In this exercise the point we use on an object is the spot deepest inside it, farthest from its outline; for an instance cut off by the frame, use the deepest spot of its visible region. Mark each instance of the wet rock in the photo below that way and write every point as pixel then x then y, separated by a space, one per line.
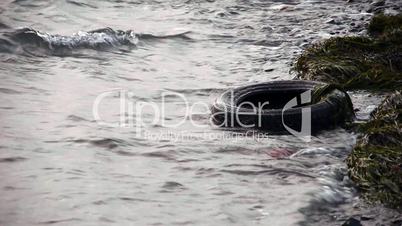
pixel 352 222
pixel 378 3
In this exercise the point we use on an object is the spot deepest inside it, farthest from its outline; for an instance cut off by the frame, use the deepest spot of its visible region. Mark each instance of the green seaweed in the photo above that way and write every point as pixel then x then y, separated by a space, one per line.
pixel 375 163
pixel 353 62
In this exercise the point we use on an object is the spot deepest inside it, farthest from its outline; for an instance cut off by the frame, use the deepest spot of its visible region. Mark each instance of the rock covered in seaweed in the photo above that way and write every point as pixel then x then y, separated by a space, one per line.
pixel 358 62
pixel 375 163
pixel 371 63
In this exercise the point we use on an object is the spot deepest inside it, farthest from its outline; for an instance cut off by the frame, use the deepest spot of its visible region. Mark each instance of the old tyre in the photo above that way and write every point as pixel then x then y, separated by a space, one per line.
pixel 283 107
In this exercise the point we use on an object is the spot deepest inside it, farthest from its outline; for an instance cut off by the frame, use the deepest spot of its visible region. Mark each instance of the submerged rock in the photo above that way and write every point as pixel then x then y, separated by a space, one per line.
pixel 354 62
pixel 375 163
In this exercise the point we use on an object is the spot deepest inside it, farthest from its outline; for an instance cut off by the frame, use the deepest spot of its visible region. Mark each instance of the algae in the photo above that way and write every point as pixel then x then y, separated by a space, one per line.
pixel 353 62
pixel 373 63
pixel 375 163
pixel 321 92
pixel 382 24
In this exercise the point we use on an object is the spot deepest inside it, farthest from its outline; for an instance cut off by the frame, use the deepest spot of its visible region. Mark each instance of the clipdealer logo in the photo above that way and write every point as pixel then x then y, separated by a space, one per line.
pixel 136 114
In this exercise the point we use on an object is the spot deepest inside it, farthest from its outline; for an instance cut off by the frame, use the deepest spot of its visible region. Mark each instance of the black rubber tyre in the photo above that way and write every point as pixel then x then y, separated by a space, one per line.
pixel 234 107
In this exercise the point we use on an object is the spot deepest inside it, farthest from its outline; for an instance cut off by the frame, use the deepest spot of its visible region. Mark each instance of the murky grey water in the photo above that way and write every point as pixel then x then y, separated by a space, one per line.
pixel 59 166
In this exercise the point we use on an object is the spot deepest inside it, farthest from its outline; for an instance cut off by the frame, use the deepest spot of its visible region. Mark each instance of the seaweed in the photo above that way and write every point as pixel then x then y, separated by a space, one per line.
pixel 352 62
pixel 320 92
pixel 375 163
pixel 372 63
pixel 382 24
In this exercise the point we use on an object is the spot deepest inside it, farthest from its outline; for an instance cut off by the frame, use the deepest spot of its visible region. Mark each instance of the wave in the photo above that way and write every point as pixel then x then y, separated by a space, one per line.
pixel 28 40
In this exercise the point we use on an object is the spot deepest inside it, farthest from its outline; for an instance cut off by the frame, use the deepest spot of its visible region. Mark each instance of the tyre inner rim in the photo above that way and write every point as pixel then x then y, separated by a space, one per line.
pixel 269 99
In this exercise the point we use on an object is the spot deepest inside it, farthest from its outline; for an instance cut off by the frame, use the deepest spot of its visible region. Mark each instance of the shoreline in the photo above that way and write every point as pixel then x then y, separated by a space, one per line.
pixel 317 63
